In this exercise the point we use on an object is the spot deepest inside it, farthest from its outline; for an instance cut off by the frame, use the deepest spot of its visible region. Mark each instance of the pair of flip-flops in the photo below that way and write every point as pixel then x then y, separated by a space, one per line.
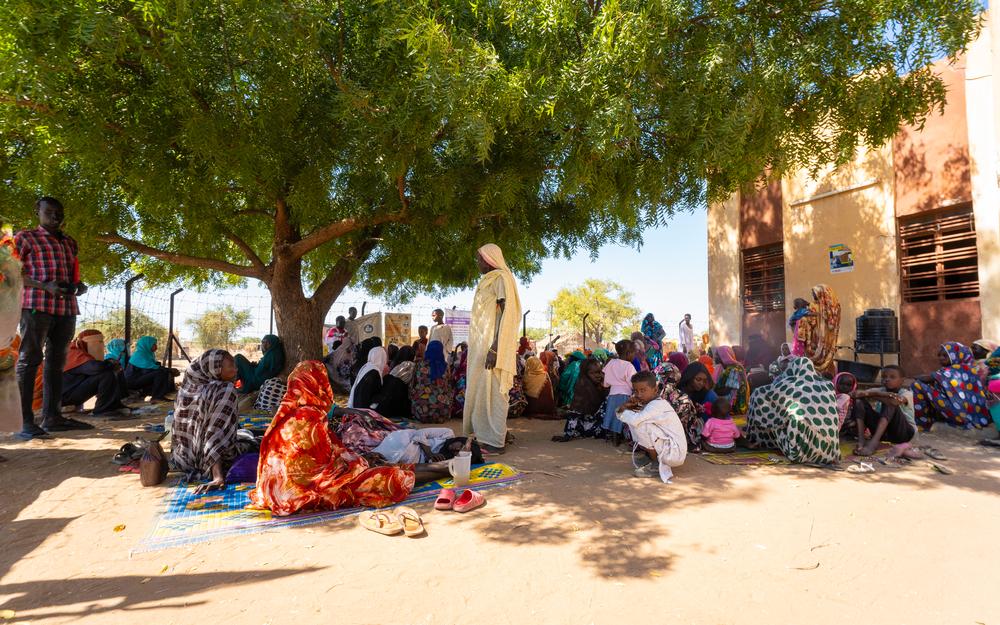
pixel 468 500
pixel 391 522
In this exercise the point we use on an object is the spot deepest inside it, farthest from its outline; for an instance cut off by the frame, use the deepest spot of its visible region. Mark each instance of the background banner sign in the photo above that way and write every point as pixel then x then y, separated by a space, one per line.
pixel 366 327
pixel 459 322
pixel 397 329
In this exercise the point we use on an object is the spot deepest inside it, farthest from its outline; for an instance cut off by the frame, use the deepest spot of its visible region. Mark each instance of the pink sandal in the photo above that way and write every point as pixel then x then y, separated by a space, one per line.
pixel 469 500
pixel 445 499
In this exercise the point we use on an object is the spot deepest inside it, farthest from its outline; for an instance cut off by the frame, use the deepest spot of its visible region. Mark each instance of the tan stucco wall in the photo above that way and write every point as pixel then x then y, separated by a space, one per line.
pixel 724 306
pixel 863 219
pixel 983 60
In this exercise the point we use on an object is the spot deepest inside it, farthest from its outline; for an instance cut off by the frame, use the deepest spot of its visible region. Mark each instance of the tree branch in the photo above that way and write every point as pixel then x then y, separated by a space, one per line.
pixel 181 259
pixel 248 251
pixel 338 229
pixel 343 271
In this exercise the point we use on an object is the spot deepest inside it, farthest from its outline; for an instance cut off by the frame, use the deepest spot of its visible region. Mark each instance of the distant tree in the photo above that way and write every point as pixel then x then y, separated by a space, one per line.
pixel 538 334
pixel 218 327
pixel 608 304
pixel 112 326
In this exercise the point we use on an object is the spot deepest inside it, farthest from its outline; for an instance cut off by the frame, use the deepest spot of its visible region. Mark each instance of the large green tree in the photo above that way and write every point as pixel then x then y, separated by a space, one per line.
pixel 608 307
pixel 218 327
pixel 311 143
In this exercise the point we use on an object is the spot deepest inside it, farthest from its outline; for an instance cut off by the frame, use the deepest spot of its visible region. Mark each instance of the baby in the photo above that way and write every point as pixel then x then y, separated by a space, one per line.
pixel 655 428
pixel 720 433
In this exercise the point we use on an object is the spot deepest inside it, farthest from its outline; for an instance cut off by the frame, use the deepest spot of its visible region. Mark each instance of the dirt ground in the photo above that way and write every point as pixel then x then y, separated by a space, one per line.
pixel 722 545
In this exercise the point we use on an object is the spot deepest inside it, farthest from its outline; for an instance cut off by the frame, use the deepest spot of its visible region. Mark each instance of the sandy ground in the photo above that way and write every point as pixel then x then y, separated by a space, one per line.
pixel 721 545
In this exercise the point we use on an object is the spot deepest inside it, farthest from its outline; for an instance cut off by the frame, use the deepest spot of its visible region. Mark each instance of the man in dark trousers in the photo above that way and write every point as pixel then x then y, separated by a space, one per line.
pixel 48 316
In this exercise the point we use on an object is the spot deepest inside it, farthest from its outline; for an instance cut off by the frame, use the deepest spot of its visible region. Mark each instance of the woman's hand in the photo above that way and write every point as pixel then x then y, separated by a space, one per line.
pixel 216 484
pixel 491 358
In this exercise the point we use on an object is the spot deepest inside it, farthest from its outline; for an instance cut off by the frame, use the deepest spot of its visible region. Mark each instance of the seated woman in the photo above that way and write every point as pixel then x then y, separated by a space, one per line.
pixel 538 390
pixel 570 374
pixel 361 355
pixel 586 412
pixel 981 351
pixel 338 365
pixel 953 394
pixel 691 418
pixel 458 381
pixel 732 380
pixel 549 360
pixel 203 434
pixel 252 375
pixel 304 466
pixel 116 352
pixel 517 402
pixel 797 415
pixel 431 393
pixel 87 374
pixel 394 398
pixel 368 384
pixel 145 375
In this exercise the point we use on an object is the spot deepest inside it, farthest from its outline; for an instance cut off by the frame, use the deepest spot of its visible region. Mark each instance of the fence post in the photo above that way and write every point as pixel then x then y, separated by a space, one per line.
pixel 524 323
pixel 170 332
pixel 128 311
pixel 363 306
pixel 585 331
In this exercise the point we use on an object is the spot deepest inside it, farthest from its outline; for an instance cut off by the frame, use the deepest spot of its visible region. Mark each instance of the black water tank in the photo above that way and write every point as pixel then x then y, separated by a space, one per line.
pixel 877 331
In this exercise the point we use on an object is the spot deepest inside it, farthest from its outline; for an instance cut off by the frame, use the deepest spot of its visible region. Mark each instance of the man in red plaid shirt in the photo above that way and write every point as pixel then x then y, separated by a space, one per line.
pixel 48 316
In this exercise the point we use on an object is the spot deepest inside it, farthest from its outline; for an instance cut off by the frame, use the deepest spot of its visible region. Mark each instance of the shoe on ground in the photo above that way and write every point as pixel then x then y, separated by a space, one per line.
pixel 650 470
pixel 31 432
pixel 65 425
pixel 120 414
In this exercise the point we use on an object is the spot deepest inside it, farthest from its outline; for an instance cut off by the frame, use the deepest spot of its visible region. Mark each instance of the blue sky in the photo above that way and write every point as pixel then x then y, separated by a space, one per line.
pixel 668 277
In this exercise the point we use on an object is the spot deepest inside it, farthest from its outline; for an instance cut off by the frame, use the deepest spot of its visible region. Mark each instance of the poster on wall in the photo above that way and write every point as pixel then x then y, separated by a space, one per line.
pixel 841 259
pixel 367 326
pixel 397 329
pixel 459 321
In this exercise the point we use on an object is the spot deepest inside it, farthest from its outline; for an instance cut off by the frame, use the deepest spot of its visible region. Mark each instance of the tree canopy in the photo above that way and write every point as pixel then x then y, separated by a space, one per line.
pixel 608 306
pixel 112 326
pixel 218 327
pixel 312 143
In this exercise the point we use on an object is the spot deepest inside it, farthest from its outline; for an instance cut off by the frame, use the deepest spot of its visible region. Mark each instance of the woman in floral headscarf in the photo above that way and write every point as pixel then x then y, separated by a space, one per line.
pixel 818 330
pixel 953 394
pixel 732 380
pixel 303 466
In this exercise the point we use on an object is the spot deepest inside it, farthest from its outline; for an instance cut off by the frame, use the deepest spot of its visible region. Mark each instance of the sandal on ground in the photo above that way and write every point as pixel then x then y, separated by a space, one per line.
pixel 930 452
pixel 468 500
pixel 380 522
pixel 990 442
pixel 861 467
pixel 490 449
pixel 410 520
pixel 65 425
pixel 445 499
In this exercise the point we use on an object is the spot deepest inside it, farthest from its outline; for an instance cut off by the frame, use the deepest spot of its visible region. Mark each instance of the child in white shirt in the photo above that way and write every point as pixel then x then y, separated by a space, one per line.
pixel 655 428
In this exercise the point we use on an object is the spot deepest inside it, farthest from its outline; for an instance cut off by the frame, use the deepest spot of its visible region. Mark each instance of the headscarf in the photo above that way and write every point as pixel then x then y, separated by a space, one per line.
pixel 688 375
pixel 821 342
pixel 652 329
pixel 957 353
pixel 709 364
pixel 434 357
pixel 144 357
pixel 547 358
pixel 668 373
pixel 378 360
pixel 83 348
pixel 678 360
pixel 404 371
pixel 523 345
pixel 205 416
pixel 567 383
pixel 405 354
pixel 116 351
pixel 840 376
pixel 739 354
pixel 506 365
pixel 361 354
pixel 602 355
pixel 535 377
pixel 986 344
pixel 587 396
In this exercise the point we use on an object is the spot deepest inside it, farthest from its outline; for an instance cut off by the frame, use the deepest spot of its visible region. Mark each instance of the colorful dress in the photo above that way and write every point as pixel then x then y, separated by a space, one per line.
pixel 459 382
pixel 668 375
pixel 733 381
pixel 796 414
pixel 303 466
pixel 432 399
pixel 955 396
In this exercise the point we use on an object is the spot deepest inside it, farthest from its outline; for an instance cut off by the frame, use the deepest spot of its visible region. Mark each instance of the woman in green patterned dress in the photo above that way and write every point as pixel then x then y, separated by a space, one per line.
pixel 796 414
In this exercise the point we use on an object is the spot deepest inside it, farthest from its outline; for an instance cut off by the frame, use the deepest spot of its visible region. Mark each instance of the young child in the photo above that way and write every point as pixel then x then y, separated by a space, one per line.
pixel 891 418
pixel 845 384
pixel 618 379
pixel 802 310
pixel 719 434
pixel 655 428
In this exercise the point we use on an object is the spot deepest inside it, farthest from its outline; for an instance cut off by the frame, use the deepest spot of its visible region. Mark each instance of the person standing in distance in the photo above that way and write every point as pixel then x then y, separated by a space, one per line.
pixel 686 334
pixel 48 316
pixel 441 331
pixel 492 359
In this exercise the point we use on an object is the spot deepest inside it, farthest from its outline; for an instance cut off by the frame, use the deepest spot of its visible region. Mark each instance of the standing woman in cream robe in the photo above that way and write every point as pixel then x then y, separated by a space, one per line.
pixel 492 360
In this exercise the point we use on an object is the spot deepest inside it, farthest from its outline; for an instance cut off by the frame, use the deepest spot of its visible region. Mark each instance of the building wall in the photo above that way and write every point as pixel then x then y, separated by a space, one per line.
pixel 924 326
pixel 760 216
pixel 852 205
pixel 724 302
pixel 931 165
pixel 983 89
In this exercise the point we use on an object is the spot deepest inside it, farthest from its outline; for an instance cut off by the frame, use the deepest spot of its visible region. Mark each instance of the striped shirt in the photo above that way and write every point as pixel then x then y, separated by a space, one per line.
pixel 48 258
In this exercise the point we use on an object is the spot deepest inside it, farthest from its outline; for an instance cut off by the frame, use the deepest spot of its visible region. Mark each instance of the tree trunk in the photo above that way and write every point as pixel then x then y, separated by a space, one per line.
pixel 299 321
